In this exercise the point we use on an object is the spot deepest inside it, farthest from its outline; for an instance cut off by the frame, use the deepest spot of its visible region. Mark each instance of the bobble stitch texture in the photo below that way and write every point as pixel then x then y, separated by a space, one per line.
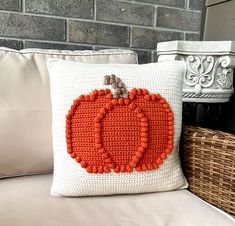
pixel 98 151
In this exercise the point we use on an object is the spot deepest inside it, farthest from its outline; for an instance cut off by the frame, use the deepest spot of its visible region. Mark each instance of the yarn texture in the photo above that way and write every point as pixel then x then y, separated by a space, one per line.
pixel 135 132
pixel 119 140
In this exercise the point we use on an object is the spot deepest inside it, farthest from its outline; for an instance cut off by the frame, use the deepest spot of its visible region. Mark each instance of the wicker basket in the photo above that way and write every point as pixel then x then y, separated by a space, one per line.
pixel 209 164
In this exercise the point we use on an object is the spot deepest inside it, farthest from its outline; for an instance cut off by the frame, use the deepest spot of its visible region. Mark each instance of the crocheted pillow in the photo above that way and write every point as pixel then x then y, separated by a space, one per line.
pixel 116 128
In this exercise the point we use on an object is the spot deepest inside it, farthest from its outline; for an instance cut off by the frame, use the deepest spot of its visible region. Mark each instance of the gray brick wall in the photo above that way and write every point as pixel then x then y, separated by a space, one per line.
pixel 98 24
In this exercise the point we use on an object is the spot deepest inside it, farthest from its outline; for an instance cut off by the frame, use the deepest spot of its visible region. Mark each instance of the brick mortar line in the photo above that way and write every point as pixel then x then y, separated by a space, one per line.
pixel 130 42
pixel 96 21
pixel 67 30
pixel 130 48
pixel 22 5
pixel 45 41
pixel 187 4
pixel 183 9
pixel 157 28
pixel 114 23
pixel 41 15
pixel 148 4
pixel 75 44
pixel 161 5
pixel 94 9
pixel 135 25
pixel 155 17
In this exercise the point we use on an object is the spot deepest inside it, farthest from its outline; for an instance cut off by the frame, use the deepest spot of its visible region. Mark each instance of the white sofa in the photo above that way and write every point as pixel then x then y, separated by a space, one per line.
pixel 26 159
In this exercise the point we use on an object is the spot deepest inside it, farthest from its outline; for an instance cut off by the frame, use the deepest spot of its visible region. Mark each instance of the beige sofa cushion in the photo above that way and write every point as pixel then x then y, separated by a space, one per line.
pixel 26 201
pixel 25 108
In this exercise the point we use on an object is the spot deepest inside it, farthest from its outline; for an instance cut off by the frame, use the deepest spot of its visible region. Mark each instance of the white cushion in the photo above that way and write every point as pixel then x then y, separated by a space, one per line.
pixel 69 80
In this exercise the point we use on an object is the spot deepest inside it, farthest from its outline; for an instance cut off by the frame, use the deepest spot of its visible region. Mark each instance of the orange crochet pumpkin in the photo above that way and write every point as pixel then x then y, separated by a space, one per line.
pixel 119 132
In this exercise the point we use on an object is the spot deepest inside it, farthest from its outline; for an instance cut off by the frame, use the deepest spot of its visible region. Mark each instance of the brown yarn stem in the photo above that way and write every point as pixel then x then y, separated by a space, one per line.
pixel 118 86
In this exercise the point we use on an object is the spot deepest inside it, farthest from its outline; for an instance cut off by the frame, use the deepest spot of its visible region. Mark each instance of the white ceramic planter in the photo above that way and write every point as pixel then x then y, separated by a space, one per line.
pixel 210 68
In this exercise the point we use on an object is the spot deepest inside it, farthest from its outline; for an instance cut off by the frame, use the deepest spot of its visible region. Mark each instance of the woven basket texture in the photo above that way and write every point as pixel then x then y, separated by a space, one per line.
pixel 209 164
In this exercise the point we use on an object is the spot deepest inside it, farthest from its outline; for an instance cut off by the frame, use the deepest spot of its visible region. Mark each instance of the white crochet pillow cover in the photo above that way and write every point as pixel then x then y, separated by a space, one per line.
pixel 117 140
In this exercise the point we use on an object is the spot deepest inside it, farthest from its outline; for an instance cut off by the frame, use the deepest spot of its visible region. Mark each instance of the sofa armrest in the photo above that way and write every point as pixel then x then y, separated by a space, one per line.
pixel 209 164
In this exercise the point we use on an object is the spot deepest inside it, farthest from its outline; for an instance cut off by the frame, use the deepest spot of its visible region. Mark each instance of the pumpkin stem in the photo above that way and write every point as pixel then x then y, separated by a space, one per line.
pixel 118 86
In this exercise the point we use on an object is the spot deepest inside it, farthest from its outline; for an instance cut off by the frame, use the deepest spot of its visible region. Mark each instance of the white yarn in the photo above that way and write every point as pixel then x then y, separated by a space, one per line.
pixel 68 81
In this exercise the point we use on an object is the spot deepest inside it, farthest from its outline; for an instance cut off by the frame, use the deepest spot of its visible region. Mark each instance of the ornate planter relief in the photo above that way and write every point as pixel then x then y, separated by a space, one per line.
pixel 208 72
pixel 225 76
pixel 199 73
pixel 209 75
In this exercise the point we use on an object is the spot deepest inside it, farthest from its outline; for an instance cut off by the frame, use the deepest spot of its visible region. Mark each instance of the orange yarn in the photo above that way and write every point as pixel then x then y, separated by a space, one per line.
pixel 122 134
